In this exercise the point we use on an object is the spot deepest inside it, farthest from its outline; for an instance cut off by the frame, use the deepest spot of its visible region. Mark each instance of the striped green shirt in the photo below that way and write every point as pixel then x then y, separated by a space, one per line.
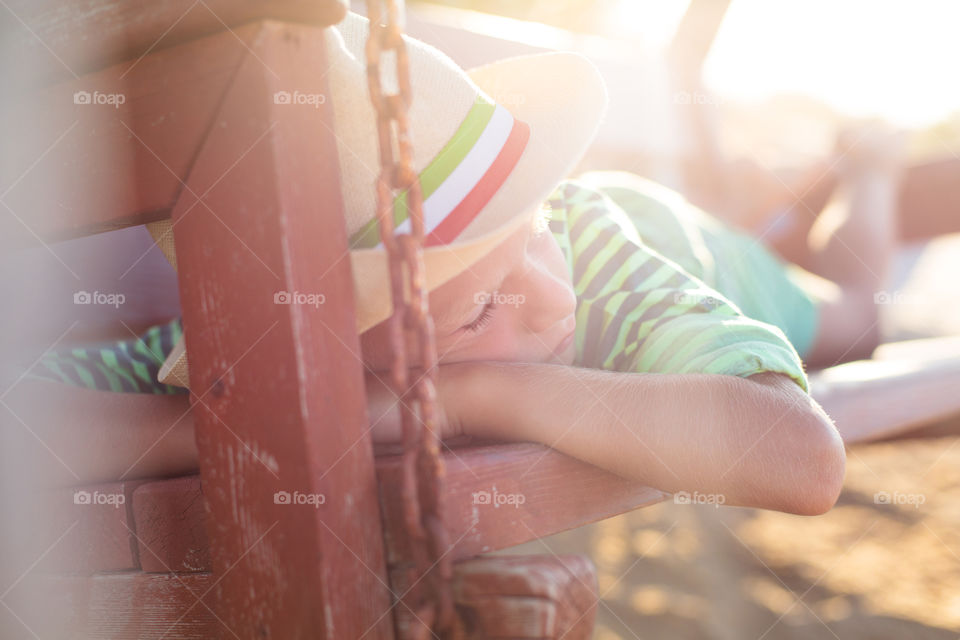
pixel 123 365
pixel 639 311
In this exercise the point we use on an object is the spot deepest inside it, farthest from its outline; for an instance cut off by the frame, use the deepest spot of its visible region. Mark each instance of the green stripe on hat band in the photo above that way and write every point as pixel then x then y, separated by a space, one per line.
pixel 436 172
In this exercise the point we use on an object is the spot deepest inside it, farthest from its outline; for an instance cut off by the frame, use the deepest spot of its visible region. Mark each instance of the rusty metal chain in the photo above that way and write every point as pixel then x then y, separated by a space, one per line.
pixel 430 598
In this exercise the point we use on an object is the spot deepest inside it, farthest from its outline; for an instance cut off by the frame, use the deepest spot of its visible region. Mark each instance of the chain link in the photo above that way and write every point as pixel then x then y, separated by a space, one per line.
pixel 430 597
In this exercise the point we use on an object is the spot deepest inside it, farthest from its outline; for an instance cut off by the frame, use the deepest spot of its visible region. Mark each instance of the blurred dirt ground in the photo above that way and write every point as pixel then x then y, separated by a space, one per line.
pixel 883 564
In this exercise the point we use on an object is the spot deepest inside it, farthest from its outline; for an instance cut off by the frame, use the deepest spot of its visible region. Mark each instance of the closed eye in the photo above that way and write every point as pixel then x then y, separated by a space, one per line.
pixel 481 320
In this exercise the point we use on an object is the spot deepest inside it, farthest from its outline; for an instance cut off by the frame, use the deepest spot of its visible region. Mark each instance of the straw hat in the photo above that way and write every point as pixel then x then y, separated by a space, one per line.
pixel 484 167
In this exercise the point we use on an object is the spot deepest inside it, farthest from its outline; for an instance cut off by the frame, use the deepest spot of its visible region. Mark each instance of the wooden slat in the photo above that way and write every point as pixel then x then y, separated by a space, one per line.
pixel 120 606
pixel 497 597
pixel 61 40
pixel 84 529
pixel 283 407
pixel 541 492
pixel 924 350
pixel 169 516
pixel 76 169
pixel 558 492
pixel 884 398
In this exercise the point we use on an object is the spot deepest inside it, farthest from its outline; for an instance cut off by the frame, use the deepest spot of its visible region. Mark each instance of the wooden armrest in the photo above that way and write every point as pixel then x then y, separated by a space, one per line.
pixel 501 495
pixel 495 496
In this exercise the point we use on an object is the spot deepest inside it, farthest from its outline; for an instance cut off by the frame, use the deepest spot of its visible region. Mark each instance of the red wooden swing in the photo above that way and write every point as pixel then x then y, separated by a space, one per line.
pixel 278 393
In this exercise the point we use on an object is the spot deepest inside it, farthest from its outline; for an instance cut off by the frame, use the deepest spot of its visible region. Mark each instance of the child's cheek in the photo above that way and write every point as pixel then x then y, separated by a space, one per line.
pixel 494 343
pixel 499 342
pixel 552 255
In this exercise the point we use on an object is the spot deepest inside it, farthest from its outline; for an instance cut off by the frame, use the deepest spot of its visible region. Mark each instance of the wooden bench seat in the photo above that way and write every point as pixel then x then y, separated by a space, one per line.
pixel 523 596
pixel 144 568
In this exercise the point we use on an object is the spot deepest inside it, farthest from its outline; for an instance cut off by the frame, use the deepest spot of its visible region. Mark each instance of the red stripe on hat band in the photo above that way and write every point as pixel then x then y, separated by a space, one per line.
pixel 458 219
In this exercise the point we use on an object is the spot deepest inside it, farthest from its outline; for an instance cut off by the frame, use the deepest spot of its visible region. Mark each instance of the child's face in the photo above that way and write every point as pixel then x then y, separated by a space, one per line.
pixel 517 304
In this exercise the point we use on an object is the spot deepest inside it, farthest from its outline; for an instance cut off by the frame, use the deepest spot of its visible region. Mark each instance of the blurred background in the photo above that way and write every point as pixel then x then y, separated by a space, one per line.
pixel 742 105
pixel 739 105
pixel 780 77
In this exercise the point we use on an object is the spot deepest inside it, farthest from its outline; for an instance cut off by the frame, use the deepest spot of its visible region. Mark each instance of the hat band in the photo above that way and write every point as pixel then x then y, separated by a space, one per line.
pixel 461 179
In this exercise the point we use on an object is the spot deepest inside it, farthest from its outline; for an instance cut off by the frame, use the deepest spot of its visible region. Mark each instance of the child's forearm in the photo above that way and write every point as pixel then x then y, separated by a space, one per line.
pixel 755 442
pixel 63 436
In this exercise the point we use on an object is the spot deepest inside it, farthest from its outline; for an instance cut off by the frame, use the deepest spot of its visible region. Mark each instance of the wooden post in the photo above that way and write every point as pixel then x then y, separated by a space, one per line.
pixel 286 460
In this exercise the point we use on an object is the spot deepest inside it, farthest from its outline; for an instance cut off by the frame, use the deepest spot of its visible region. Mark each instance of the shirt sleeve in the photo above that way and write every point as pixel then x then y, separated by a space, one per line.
pixel 639 311
pixel 128 366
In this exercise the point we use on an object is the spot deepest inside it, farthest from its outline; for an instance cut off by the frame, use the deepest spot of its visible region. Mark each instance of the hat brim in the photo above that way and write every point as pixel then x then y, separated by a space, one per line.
pixel 563 99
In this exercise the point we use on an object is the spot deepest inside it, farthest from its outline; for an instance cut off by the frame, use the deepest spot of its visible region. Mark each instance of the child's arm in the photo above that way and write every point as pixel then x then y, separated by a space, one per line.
pixel 758 441
pixel 61 435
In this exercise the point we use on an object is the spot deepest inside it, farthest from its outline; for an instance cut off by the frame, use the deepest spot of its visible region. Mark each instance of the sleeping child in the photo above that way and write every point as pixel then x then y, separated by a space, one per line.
pixel 603 316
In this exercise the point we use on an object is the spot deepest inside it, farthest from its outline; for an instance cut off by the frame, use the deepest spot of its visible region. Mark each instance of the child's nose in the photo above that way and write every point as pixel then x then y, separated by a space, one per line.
pixel 547 299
